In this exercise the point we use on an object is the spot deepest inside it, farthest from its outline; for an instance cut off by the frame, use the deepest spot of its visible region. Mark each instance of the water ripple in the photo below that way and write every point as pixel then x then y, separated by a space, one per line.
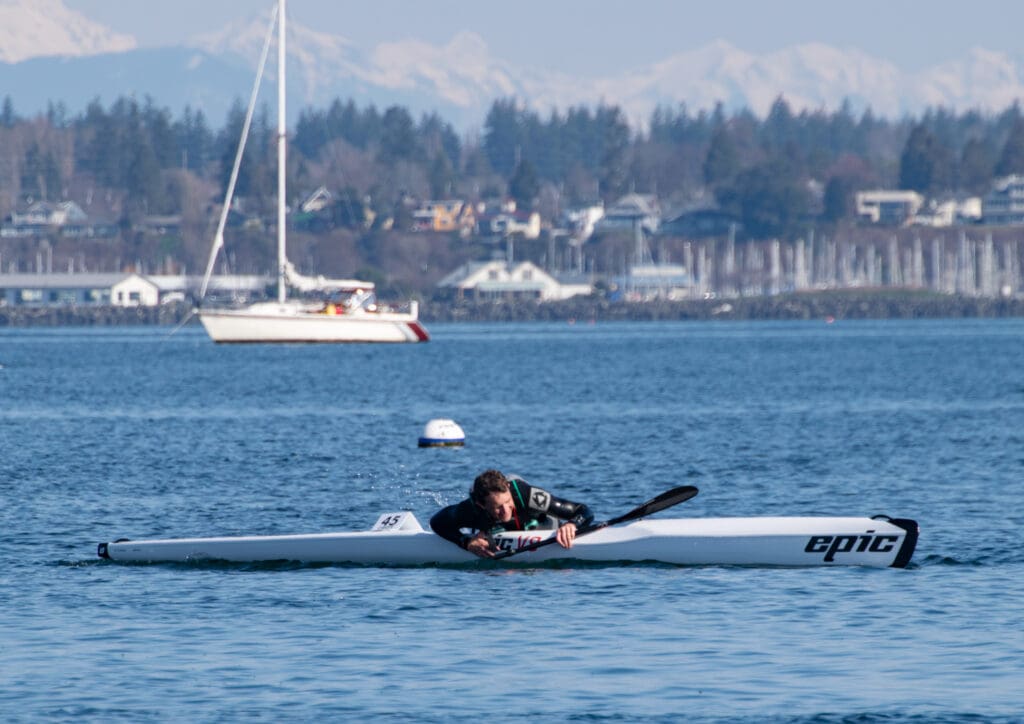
pixel 108 435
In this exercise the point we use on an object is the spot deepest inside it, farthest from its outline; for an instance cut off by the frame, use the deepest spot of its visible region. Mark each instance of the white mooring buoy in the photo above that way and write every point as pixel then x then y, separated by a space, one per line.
pixel 442 433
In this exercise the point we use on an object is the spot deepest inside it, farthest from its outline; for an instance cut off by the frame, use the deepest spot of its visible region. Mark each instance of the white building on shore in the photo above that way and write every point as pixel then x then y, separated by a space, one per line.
pixel 119 289
pixel 48 290
pixel 500 280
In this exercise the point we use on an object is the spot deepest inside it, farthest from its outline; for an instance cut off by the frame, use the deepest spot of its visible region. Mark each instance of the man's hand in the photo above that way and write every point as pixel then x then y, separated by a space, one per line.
pixel 566 535
pixel 480 545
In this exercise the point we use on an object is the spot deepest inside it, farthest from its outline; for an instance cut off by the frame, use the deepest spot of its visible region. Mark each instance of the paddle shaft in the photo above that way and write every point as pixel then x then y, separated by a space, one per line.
pixel 661 502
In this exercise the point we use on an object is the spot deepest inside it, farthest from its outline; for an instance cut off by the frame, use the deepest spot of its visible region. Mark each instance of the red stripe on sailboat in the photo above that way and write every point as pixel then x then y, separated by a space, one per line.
pixel 419 331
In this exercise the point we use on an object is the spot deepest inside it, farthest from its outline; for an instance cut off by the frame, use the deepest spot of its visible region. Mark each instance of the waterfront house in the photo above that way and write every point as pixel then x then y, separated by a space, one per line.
pixel 444 216
pixel 508 223
pixel 123 289
pixel 317 201
pixel 701 222
pixel 887 207
pixel 949 212
pixel 46 218
pixel 48 290
pixel 500 280
pixel 159 225
pixel 323 210
pixel 46 213
pixel 632 212
pixel 580 222
pixel 1004 203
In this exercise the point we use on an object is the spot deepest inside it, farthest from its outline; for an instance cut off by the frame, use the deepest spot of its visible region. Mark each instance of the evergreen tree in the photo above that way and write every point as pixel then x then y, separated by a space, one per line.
pixel 227 148
pixel 7 115
pixel 143 181
pixel 260 164
pixel 679 127
pixel 345 121
pixel 769 198
pixel 1011 160
pixel 574 140
pixel 838 200
pixel 158 127
pixel 358 128
pixel 311 133
pixel 977 165
pixel 722 161
pixel 194 140
pixel 867 128
pixel 780 127
pixel 140 169
pixel 348 209
pixel 502 136
pixel 56 114
pixel 614 140
pixel 925 164
pixel 436 136
pixel 398 140
pixel 524 186
pixel 441 176
pixel 40 174
pixel 841 130
pixel 86 131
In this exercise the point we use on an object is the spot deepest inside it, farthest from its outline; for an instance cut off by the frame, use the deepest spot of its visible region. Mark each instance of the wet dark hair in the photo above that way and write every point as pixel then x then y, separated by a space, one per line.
pixel 487 482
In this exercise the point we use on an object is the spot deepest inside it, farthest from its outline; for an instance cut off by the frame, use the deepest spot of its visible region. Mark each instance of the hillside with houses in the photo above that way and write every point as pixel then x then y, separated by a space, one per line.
pixel 117 206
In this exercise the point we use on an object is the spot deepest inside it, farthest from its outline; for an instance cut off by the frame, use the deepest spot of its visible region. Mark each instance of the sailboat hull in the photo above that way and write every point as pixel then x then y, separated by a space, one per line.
pixel 271 322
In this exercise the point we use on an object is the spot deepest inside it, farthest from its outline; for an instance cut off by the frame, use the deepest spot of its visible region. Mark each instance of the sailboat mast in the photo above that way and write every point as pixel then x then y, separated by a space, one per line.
pixel 282 138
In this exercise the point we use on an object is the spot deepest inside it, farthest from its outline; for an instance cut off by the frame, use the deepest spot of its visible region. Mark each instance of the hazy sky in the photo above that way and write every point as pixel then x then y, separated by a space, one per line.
pixel 600 36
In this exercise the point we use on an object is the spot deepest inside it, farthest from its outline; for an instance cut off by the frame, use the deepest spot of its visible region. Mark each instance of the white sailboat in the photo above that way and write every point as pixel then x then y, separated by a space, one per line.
pixel 351 315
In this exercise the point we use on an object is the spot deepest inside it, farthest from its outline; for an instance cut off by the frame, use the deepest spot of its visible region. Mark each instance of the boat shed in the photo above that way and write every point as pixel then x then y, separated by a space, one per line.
pixel 102 289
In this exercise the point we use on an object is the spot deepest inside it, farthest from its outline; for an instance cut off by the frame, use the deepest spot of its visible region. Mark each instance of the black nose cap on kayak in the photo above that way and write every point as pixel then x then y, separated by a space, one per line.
pixel 101 551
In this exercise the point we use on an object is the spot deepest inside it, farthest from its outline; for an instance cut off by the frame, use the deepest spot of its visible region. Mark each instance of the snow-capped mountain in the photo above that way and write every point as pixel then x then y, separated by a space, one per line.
pixel 34 28
pixel 53 54
pixel 315 58
pixel 808 76
pixel 461 78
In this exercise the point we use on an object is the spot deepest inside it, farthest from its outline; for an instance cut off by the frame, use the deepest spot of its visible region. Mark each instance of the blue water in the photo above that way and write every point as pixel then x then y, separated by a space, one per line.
pixel 129 433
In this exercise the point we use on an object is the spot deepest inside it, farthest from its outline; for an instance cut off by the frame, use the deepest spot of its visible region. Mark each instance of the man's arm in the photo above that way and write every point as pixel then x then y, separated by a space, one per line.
pixel 567 510
pixel 539 500
pixel 574 515
pixel 449 521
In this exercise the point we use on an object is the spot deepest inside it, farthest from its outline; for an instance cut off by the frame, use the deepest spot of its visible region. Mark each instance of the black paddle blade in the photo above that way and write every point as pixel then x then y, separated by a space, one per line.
pixel 665 500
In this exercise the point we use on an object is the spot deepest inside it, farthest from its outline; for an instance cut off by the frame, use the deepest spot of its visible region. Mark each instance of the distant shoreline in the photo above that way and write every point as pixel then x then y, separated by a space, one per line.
pixel 817 305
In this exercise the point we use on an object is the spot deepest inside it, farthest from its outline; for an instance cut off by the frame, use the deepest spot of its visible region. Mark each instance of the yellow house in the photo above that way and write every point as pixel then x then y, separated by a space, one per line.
pixel 446 215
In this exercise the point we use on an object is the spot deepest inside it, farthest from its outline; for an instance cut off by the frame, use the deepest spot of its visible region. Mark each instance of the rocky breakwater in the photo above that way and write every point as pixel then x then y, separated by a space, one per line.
pixel 99 316
pixel 823 305
pixel 819 305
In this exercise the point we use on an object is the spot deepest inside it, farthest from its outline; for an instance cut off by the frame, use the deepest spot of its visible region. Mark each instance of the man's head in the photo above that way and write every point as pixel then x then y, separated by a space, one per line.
pixel 491 492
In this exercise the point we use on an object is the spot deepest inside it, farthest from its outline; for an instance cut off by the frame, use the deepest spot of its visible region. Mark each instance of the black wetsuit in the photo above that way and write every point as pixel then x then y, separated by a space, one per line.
pixel 532 507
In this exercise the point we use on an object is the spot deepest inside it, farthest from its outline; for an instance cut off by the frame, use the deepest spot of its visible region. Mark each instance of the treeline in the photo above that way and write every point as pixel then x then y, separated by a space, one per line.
pixel 776 174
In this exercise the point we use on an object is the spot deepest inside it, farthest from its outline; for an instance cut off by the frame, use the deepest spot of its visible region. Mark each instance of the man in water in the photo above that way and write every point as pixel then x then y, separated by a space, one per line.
pixel 497 504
